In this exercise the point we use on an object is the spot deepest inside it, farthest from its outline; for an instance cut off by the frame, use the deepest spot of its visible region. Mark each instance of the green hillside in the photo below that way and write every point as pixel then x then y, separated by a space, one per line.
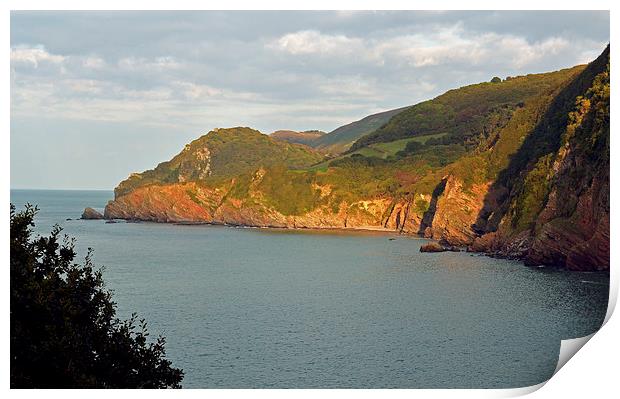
pixel 224 153
pixel 467 114
pixel 417 164
pixel 340 139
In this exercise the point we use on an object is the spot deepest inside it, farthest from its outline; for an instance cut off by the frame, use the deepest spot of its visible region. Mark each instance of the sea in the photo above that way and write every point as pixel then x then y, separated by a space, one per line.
pixel 269 308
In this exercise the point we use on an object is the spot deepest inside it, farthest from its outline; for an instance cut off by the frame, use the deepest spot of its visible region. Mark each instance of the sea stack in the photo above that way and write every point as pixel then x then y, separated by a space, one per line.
pixel 91 214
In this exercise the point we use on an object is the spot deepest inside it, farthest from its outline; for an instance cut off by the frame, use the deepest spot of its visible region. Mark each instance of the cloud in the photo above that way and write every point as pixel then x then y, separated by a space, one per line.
pixel 259 68
pixel 314 42
pixel 442 45
pixel 94 62
pixel 34 56
pixel 141 64
pixel 194 91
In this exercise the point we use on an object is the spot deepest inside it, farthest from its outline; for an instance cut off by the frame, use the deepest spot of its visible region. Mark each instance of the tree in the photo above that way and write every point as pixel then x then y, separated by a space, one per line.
pixel 64 329
pixel 496 80
pixel 413 146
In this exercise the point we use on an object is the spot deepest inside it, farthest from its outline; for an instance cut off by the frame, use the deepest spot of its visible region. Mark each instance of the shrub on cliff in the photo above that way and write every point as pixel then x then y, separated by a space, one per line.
pixel 64 330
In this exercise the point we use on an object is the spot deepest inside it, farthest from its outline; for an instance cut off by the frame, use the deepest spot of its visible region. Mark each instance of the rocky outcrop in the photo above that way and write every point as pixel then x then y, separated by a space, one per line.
pixel 453 211
pixel 182 202
pixel 577 239
pixel 91 214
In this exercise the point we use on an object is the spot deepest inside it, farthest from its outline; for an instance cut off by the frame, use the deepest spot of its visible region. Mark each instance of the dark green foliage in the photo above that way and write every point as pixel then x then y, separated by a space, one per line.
pixel 412 147
pixel 496 80
pixel 64 330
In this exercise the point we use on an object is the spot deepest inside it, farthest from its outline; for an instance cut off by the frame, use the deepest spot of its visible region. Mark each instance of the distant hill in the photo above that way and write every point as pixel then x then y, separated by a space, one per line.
pixel 339 140
pixel 308 137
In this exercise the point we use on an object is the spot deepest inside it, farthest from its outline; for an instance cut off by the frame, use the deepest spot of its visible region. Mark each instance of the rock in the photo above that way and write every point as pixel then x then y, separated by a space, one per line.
pixel 111 221
pixel 191 202
pixel 91 214
pixel 454 209
pixel 433 247
pixel 439 247
pixel 67 219
pixel 484 243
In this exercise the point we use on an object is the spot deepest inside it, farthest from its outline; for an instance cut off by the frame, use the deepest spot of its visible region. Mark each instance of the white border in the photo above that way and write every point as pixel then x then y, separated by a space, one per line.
pixel 592 371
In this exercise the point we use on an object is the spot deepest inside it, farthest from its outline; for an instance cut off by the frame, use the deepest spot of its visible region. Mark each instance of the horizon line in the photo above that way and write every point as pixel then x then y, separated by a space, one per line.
pixel 59 189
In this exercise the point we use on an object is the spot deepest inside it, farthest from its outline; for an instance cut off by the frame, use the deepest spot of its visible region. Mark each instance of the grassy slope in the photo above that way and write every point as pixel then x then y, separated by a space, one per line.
pixel 340 139
pixel 467 112
pixel 384 150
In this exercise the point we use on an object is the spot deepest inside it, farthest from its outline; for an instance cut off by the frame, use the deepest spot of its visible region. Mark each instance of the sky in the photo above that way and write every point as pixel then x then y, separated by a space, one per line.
pixel 96 96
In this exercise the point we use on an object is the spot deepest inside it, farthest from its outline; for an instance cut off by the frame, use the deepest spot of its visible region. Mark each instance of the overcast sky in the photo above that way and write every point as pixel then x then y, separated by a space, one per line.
pixel 98 95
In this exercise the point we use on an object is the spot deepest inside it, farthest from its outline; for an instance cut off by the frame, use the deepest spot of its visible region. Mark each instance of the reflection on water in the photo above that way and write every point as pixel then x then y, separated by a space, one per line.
pixel 257 308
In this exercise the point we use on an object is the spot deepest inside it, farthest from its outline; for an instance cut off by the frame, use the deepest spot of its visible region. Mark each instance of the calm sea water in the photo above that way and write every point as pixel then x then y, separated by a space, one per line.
pixel 250 308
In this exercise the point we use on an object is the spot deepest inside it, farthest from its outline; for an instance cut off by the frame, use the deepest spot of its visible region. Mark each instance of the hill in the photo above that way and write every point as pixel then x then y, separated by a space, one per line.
pixel 464 114
pixel 308 137
pixel 220 154
pixel 339 140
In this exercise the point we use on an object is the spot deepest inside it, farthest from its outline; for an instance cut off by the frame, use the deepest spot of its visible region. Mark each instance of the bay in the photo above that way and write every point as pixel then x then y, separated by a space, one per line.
pixel 259 308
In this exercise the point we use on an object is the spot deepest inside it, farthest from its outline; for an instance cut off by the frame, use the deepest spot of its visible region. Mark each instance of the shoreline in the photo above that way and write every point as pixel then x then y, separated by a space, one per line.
pixel 354 230
pixel 367 229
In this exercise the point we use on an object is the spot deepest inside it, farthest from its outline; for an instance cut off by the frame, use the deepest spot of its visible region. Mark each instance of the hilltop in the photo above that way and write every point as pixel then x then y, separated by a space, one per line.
pixel 308 137
pixel 340 139
pixel 221 154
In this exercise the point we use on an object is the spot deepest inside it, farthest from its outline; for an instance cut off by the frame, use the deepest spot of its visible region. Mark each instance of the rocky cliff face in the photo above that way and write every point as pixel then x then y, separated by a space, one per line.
pixel 194 203
pixel 534 186
pixel 554 207
pixel 455 211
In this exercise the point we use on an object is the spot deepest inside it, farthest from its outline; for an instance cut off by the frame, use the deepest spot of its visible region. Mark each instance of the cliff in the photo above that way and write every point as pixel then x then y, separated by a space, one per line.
pixel 518 168
pixel 195 203
pixel 551 205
